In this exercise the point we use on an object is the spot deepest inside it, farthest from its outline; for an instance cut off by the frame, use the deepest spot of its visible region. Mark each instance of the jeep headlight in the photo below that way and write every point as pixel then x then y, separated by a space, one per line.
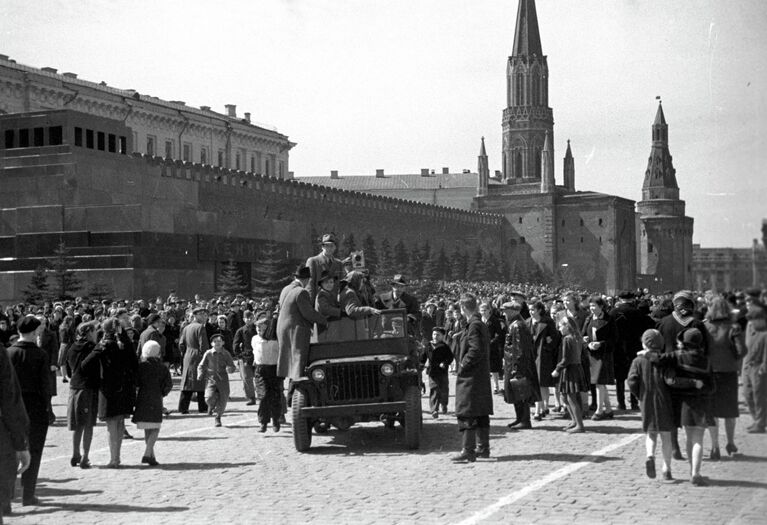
pixel 387 369
pixel 318 374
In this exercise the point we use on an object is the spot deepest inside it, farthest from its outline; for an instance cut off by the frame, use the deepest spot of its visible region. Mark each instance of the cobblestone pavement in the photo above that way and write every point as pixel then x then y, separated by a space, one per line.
pixel 365 475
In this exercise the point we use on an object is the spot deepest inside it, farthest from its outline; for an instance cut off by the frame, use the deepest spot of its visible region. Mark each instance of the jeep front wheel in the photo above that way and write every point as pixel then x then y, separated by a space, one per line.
pixel 412 418
pixel 302 429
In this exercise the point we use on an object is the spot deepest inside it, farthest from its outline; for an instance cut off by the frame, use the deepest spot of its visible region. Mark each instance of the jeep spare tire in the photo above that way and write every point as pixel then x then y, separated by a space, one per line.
pixel 302 428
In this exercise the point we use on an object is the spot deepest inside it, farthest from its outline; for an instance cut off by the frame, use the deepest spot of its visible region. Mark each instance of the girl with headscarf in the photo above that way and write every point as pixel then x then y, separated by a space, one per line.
pixel 154 383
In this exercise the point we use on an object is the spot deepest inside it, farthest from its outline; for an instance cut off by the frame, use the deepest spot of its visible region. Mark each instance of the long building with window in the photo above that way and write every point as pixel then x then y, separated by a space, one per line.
pixel 166 128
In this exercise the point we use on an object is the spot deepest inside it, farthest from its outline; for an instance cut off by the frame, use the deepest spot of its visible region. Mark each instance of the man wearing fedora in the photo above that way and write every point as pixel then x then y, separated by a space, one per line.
pixel 402 299
pixel 294 325
pixel 324 262
pixel 193 343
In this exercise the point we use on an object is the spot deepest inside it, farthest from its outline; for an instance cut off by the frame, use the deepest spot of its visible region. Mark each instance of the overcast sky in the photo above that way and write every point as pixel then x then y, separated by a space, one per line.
pixel 408 84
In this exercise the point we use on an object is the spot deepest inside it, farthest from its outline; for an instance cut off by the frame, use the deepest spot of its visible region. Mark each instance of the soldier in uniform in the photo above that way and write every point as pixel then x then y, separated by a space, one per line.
pixel 193 343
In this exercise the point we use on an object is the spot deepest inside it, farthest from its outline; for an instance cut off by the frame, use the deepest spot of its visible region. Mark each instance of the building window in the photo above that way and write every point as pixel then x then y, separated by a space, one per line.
pixel 267 168
pixel 221 158
pixel 123 145
pixel 55 135
pixel 581 222
pixel 563 222
pixel 135 140
pixel 23 138
pixel 8 138
pixel 253 163
pixel 563 240
pixel 168 149
pixel 150 145
pixel 237 161
pixel 39 137
pixel 101 141
pixel 112 143
pixel 187 154
pixel 600 222
pixel 600 240
pixel 520 220
pixel 282 170
pixel 79 137
pixel 581 240
pixel 649 247
pixel 89 141
pixel 203 155
pixel 521 240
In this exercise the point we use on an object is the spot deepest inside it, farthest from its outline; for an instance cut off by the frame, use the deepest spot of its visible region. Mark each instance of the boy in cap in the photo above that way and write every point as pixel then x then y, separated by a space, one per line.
pixel 215 367
pixel 646 383
pixel 439 357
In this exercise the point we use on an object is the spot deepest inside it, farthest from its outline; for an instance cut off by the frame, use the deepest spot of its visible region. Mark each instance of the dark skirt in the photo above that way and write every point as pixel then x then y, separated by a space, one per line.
pixel 82 408
pixel 572 380
pixel 725 399
pixel 696 411
pixel 496 359
pixel 546 364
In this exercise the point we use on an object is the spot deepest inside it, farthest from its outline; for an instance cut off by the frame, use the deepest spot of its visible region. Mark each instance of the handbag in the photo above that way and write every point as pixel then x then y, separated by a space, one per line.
pixel 520 388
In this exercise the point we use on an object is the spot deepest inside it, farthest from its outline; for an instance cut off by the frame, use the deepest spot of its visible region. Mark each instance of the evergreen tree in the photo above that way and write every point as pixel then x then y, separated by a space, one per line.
pixel 230 280
pixel 385 260
pixel 415 263
pixel 371 254
pixel 478 266
pixel 444 271
pixel 65 281
pixel 492 267
pixel 348 245
pixel 316 240
pixel 457 265
pixel 504 270
pixel 100 291
pixel 401 257
pixel 271 273
pixel 37 289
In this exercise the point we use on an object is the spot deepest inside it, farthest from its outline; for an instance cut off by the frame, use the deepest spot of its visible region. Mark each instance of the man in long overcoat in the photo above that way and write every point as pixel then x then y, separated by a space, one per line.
pixel 294 325
pixel 519 366
pixel 324 262
pixel 193 343
pixel 473 394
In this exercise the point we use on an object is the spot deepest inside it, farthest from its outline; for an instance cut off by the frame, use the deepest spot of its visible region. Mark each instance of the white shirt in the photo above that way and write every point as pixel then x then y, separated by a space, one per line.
pixel 264 352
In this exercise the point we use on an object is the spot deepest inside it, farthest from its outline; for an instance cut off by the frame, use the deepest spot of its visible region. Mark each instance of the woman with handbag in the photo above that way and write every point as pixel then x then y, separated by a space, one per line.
pixel 599 338
pixel 520 378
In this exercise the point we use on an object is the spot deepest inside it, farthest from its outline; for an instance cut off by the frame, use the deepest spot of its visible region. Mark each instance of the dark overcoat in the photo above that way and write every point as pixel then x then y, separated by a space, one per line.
pixel 546 343
pixel 601 361
pixel 117 391
pixel 294 329
pixel 193 343
pixel 154 383
pixel 319 263
pixel 647 384
pixel 519 361
pixel 473 394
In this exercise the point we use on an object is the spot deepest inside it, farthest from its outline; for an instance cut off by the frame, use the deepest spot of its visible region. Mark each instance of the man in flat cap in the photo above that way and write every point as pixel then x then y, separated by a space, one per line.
pixel 324 261
pixel 294 325
pixel 193 343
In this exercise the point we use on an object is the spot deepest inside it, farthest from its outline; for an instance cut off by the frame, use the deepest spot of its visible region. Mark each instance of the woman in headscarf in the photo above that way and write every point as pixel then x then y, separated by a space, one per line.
pixel 154 383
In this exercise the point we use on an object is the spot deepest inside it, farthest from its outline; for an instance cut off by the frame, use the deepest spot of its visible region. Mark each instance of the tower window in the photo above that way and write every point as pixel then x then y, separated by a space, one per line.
pixel 581 240
pixel 600 222
pixel 520 220
pixel 649 247
pixel 55 135
pixel 563 223
pixel 581 222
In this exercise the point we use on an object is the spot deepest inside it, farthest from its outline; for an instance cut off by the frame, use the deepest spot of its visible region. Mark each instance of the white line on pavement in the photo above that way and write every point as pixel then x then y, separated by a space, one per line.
pixel 138 441
pixel 537 485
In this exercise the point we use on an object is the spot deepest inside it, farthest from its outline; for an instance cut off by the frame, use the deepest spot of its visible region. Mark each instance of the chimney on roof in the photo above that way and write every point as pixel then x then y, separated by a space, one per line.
pixel 49 70
pixel 445 171
pixel 205 108
pixel 231 110
pixel 333 174
pixel 379 174
pixel 247 117
pixel 70 75
pixel 424 172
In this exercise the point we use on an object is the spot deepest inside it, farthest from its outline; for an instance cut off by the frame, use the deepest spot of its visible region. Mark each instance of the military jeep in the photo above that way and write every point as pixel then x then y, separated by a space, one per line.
pixel 366 373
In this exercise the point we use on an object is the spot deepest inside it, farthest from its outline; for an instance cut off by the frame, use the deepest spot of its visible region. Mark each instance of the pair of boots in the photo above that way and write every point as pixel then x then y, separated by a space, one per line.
pixel 470 450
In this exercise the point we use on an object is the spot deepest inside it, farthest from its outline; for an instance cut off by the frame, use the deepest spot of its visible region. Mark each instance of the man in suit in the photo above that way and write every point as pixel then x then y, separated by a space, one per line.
pixel 294 325
pixel 324 261
pixel 473 396
pixel 193 343
pixel 14 429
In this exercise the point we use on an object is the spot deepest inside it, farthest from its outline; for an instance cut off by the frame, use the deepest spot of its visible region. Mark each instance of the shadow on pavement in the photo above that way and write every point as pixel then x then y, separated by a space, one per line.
pixel 51 507
pixel 570 458
pixel 41 481
pixel 46 491
pixel 754 459
pixel 736 483
pixel 186 466
pixel 190 438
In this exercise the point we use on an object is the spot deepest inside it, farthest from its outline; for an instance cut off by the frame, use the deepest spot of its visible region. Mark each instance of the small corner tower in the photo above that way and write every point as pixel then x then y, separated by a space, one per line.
pixel 527 117
pixel 483 171
pixel 665 242
pixel 569 169
pixel 548 183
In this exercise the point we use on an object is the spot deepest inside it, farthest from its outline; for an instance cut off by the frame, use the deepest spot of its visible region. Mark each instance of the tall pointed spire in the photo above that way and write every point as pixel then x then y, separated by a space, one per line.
pixel 660 118
pixel 547 163
pixel 527 38
pixel 569 169
pixel 482 152
pixel 483 170
pixel 660 176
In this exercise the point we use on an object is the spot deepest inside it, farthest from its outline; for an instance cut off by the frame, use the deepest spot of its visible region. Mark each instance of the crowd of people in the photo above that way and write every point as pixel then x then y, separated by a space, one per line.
pixel 681 355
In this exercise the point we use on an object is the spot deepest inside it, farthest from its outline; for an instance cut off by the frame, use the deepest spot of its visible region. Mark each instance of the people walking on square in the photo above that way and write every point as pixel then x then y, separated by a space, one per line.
pixel 32 367
pixel 117 389
pixel 599 338
pixel 81 363
pixel 437 359
pixel 520 379
pixel 265 357
pixel 193 343
pixel 243 352
pixel 154 383
pixel 727 347
pixel 569 371
pixel 214 370
pixel 473 394
pixel 755 366
pixel 647 385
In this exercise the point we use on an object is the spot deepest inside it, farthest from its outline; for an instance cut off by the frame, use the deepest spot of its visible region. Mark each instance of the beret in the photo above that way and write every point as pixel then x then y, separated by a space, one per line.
pixel 28 324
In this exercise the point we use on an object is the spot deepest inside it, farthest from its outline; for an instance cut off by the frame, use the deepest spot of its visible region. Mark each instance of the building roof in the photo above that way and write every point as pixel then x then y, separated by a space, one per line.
pixel 398 182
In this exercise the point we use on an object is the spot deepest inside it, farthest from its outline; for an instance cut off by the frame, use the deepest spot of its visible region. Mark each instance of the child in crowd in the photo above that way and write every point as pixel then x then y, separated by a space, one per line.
pixel 439 357
pixel 265 356
pixel 215 366
pixel 647 384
